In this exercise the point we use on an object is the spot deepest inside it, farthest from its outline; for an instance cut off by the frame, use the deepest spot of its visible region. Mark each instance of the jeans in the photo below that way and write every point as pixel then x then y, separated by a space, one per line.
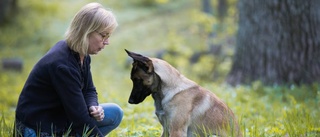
pixel 113 116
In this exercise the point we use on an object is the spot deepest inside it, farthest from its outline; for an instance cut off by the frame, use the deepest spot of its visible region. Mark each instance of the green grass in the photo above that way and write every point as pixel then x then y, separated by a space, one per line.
pixel 269 111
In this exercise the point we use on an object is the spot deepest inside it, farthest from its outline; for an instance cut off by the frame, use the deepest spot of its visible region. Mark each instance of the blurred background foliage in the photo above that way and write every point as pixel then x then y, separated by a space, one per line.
pixel 198 42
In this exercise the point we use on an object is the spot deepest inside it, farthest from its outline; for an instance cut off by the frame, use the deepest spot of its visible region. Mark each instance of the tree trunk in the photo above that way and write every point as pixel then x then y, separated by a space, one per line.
pixel 222 9
pixel 206 6
pixel 7 7
pixel 278 42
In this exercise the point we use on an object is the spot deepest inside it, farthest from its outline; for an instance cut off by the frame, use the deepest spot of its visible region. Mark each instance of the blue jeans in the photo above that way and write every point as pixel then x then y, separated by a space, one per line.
pixel 113 116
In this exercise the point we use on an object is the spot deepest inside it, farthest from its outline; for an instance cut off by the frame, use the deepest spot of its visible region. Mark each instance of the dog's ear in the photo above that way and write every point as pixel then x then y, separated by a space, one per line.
pixel 140 59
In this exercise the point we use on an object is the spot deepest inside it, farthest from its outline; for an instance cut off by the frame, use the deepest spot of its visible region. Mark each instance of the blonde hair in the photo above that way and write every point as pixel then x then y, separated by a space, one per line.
pixel 91 17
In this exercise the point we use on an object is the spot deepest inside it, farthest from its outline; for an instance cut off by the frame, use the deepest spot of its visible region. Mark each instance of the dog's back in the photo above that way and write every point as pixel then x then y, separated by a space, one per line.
pixel 209 115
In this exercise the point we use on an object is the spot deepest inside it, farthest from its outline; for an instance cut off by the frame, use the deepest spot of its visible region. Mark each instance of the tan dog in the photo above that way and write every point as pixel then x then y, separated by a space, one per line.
pixel 183 108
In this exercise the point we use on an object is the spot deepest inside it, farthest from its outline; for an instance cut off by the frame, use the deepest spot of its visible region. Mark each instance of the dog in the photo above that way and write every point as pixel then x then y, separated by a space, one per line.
pixel 183 108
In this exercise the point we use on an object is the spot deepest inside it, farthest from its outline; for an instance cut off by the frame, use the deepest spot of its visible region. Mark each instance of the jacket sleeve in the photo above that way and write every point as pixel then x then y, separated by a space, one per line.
pixel 90 93
pixel 67 82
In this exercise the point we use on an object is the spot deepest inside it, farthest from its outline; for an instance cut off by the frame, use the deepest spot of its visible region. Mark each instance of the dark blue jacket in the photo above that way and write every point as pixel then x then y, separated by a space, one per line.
pixel 58 92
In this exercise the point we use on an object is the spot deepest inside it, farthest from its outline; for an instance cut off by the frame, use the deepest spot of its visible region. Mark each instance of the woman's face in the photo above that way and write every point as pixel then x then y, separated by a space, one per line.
pixel 97 41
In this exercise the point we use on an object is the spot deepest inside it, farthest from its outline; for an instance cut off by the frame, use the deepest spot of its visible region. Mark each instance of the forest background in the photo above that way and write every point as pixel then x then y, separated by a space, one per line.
pixel 198 37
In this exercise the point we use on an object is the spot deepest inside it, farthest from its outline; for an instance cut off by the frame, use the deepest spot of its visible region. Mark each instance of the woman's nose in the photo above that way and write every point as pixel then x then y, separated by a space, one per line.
pixel 106 41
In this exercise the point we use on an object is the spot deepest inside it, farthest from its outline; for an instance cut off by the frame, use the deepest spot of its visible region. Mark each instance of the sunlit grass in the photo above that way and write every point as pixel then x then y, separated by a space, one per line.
pixel 5 127
pixel 258 115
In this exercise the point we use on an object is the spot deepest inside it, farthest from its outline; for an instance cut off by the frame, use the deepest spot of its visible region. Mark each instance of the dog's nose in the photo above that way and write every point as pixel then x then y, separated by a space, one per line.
pixel 131 101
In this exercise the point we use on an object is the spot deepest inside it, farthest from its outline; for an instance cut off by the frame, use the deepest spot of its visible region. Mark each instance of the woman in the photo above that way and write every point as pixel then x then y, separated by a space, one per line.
pixel 59 97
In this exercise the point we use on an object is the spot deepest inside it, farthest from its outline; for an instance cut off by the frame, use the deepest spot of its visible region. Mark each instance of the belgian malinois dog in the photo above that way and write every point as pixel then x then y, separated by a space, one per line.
pixel 183 108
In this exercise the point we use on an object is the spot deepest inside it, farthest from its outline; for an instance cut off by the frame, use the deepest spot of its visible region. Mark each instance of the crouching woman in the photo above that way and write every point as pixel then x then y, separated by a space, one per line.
pixel 59 97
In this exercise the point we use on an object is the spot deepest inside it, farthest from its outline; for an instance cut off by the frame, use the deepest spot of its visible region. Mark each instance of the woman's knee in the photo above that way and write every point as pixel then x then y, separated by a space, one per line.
pixel 112 109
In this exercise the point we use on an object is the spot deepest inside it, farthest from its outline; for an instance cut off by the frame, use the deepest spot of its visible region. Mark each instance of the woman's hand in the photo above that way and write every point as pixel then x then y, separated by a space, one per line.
pixel 97 112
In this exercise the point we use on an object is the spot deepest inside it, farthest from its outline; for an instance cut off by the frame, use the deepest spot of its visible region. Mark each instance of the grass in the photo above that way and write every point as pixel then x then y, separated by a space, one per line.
pixel 269 111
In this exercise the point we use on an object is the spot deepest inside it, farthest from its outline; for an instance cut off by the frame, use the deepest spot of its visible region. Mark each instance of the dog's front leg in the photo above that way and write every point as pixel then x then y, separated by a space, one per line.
pixel 163 121
pixel 165 132
pixel 165 128
pixel 178 132
pixel 178 126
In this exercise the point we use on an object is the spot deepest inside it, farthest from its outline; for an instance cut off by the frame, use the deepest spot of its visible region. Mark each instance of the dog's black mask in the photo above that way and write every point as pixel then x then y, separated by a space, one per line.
pixel 142 77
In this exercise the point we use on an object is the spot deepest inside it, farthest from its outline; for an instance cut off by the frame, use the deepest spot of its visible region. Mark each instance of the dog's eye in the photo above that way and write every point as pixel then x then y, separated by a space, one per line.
pixel 137 79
